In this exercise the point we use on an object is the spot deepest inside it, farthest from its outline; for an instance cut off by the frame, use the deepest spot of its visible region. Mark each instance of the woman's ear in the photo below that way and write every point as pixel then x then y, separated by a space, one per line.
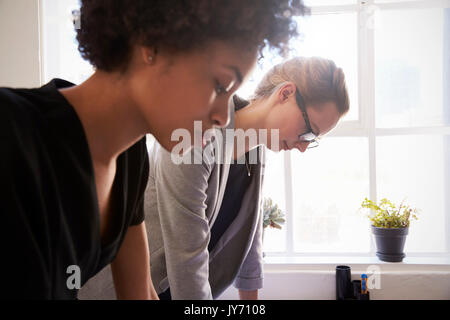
pixel 148 55
pixel 286 91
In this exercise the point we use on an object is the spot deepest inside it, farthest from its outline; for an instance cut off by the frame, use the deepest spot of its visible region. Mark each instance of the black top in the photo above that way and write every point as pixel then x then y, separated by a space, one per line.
pixel 237 184
pixel 48 199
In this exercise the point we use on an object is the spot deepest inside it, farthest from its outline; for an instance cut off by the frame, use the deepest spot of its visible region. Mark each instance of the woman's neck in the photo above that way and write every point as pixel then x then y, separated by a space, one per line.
pixel 251 117
pixel 111 121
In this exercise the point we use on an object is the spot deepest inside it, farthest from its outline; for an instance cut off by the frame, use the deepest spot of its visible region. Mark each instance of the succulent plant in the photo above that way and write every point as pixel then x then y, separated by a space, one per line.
pixel 273 216
pixel 387 215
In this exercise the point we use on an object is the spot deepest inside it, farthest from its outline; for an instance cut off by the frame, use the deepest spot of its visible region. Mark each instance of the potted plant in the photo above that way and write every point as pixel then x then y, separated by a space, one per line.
pixel 390 225
pixel 273 216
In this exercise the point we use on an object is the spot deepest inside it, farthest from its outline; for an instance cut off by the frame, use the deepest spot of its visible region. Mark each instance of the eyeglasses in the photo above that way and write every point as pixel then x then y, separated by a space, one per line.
pixel 309 136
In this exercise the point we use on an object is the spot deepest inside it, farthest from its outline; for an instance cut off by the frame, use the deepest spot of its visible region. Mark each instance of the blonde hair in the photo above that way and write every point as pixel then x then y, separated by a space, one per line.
pixel 317 79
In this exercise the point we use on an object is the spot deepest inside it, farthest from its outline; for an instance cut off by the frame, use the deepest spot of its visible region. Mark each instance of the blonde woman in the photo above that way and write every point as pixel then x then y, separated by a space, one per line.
pixel 204 220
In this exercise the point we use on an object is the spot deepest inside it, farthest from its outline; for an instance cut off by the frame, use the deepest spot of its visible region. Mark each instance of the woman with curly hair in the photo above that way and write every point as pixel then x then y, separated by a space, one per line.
pixel 74 161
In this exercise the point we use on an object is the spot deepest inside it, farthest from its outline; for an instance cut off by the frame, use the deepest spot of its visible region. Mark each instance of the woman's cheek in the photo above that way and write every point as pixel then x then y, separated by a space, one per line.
pixel 292 132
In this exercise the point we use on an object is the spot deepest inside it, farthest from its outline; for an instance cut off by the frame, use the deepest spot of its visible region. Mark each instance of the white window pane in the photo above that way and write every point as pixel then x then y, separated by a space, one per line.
pixel 273 187
pixel 410 63
pixel 274 240
pixel 329 184
pixel 417 168
pixel 333 36
pixel 262 67
pixel 61 56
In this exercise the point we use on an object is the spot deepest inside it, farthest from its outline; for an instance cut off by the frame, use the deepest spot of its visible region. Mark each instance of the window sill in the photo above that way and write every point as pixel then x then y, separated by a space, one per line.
pixel 305 277
pixel 327 263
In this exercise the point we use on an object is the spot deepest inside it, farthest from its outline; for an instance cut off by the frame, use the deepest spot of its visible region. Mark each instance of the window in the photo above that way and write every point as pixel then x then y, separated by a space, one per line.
pixel 61 58
pixel 394 143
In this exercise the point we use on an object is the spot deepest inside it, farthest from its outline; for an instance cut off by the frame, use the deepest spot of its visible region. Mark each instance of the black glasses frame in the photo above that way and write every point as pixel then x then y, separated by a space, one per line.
pixel 309 135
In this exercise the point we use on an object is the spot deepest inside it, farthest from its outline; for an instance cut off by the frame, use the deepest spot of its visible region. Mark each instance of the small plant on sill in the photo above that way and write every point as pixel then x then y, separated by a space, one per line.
pixel 386 214
pixel 273 216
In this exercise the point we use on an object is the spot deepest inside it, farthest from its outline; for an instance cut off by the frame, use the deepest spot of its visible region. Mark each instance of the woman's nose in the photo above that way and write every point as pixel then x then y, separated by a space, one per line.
pixel 220 118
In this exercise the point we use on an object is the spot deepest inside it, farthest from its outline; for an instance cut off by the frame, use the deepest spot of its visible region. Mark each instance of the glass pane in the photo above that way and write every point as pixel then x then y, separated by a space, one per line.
pixel 417 168
pixel 273 187
pixel 329 184
pixel 263 66
pixel 411 62
pixel 61 56
pixel 332 36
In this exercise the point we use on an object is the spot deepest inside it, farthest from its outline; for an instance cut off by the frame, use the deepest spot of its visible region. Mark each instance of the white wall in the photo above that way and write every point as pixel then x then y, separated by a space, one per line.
pixel 19 43
pixel 397 282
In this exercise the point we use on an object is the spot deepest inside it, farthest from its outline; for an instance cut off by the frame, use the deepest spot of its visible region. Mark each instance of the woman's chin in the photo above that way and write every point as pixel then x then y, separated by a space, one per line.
pixel 178 147
pixel 277 148
pixel 281 147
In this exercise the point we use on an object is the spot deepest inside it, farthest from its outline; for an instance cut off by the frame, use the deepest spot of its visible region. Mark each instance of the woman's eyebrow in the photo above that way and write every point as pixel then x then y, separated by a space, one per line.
pixel 237 72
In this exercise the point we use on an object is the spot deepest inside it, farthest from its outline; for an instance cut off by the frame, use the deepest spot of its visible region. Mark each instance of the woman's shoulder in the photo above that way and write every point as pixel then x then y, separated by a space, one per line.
pixel 28 108
pixel 14 104
pixel 18 116
pixel 38 129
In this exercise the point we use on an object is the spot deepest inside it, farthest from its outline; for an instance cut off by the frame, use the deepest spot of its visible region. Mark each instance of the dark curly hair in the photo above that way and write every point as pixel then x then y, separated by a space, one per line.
pixel 110 28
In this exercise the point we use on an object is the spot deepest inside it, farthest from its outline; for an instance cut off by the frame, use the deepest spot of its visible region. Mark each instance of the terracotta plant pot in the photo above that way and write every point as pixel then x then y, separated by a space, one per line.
pixel 390 243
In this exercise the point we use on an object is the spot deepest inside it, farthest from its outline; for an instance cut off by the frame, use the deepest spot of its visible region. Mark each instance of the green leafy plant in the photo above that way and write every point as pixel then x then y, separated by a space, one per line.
pixel 273 216
pixel 386 214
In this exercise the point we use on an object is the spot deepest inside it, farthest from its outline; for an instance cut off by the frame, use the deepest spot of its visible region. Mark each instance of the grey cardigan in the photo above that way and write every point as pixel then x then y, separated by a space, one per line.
pixel 181 205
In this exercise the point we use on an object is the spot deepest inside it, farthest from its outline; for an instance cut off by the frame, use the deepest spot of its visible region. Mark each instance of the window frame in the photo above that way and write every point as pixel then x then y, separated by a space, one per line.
pixel 365 126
